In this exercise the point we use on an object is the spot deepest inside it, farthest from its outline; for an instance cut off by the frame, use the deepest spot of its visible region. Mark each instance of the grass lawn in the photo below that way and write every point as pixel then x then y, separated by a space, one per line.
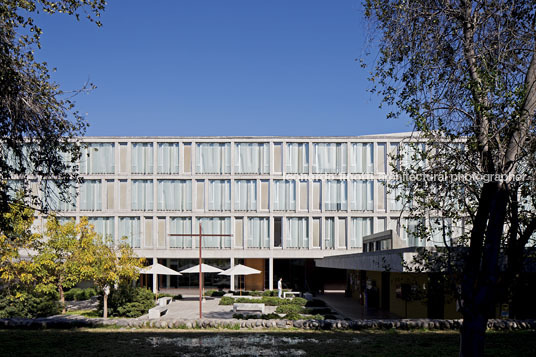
pixel 113 342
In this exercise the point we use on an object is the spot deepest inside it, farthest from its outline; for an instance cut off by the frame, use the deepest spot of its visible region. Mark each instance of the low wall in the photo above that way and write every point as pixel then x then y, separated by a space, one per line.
pixel 66 322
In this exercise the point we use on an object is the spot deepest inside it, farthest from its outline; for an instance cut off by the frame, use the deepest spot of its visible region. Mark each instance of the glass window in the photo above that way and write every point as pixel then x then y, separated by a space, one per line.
pixel 361 158
pixel 297 158
pixel 252 158
pixel 362 198
pixel 53 198
pixel 142 158
pixel 245 195
pixel 91 195
pixel 360 228
pixel 180 225
pixel 284 195
pixel 103 226
pixel 168 158
pixel 213 158
pixel 219 195
pixel 329 158
pixel 297 233
pixel 329 233
pixel 174 195
pixel 142 195
pixel 258 233
pixel 129 227
pixel 215 225
pixel 97 158
pixel 335 196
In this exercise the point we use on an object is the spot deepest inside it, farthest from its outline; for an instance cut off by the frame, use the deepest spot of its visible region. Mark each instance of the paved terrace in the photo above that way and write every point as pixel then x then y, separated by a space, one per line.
pixel 188 307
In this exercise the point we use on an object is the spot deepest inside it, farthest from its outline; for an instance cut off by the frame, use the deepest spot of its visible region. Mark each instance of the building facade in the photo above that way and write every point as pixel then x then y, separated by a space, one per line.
pixel 280 198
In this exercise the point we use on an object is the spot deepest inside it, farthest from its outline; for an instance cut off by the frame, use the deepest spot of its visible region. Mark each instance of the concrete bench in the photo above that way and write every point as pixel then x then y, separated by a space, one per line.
pixel 158 311
pixel 163 301
pixel 293 293
pixel 248 307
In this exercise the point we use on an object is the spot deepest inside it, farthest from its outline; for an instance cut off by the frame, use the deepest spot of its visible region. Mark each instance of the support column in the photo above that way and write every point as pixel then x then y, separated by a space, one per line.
pixel 271 273
pixel 168 277
pixel 232 286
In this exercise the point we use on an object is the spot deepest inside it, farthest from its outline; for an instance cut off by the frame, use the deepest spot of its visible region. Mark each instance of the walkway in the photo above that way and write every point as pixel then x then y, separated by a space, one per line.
pixel 188 308
pixel 351 308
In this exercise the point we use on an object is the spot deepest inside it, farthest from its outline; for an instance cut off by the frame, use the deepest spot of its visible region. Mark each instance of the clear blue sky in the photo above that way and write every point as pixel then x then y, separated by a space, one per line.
pixel 219 67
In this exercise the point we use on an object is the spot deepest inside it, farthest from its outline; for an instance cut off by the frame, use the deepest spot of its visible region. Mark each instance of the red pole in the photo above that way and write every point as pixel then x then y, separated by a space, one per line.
pixel 200 277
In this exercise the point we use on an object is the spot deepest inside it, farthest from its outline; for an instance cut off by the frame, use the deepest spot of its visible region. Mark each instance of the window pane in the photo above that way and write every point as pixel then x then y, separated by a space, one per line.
pixel 174 195
pixel 129 227
pixel 297 233
pixel 142 158
pixel 245 195
pixel 168 158
pixel 329 158
pixel 97 158
pixel 258 233
pixel 142 195
pixel 219 195
pixel 91 195
pixel 252 158
pixel 297 158
pixel 213 158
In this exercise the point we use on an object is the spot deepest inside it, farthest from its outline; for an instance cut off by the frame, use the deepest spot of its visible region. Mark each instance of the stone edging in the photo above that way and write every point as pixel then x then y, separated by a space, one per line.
pixel 66 322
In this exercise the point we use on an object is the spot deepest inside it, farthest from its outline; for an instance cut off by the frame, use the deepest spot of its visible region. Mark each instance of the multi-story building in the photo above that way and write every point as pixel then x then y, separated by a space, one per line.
pixel 285 200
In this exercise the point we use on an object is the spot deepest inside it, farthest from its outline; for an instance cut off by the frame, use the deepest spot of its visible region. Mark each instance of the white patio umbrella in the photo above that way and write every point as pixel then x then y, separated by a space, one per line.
pixel 205 268
pixel 240 270
pixel 158 269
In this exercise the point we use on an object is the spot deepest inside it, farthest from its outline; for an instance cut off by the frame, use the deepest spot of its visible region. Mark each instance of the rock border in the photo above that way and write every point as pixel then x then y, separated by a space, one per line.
pixel 73 321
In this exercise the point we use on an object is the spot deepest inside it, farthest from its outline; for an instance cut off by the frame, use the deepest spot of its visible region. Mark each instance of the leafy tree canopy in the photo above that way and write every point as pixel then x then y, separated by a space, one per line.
pixel 465 73
pixel 38 123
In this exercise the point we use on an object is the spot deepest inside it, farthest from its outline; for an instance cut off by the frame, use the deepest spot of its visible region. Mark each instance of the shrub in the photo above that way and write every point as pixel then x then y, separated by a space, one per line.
pixel 298 301
pixel 293 316
pixel 269 293
pixel 129 301
pixel 214 293
pixel 78 294
pixel 34 305
pixel 317 317
pixel 286 309
pixel 227 300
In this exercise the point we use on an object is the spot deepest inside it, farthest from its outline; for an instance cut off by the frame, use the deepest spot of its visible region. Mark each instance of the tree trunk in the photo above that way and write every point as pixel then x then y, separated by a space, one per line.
pixel 105 306
pixel 481 276
pixel 62 299
pixel 472 335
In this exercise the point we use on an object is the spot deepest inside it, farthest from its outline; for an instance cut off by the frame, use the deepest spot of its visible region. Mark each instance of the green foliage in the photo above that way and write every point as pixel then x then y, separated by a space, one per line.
pixel 293 316
pixel 175 297
pixel 28 304
pixel 226 300
pixel 16 237
pixel 267 300
pixel 214 293
pixel 129 301
pixel 37 120
pixel 78 294
pixel 291 308
pixel 256 317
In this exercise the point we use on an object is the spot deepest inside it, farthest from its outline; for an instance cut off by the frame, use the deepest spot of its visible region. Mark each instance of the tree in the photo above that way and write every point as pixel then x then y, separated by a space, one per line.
pixel 465 73
pixel 16 244
pixel 38 123
pixel 108 265
pixel 58 263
